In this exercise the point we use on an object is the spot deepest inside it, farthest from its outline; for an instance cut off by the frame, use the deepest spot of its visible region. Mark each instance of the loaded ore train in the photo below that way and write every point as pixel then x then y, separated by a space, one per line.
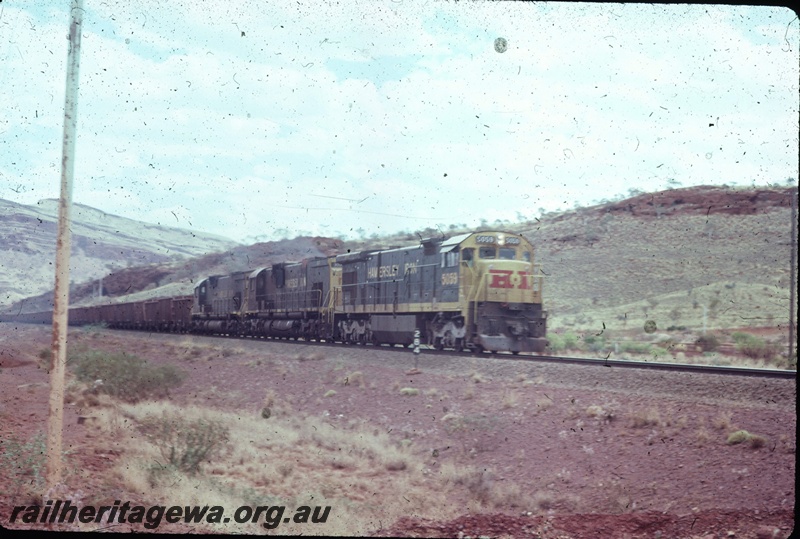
pixel 477 291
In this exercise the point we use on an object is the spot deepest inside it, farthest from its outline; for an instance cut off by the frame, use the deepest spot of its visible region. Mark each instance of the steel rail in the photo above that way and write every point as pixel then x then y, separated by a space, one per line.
pixel 596 362
pixel 430 351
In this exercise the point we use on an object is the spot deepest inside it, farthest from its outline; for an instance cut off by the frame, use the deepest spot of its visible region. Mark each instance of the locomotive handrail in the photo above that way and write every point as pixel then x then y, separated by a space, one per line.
pixel 301 299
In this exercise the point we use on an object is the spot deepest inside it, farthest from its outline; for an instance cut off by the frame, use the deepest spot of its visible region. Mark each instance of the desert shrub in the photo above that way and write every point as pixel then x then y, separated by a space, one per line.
pixel 754 347
pixel 510 399
pixel 605 412
pixel 88 328
pixel 24 463
pixel 355 378
pixel 741 436
pixel 570 340
pixel 707 343
pixel 555 343
pixel 409 391
pixel 595 343
pixel 125 376
pixel 757 441
pixel 644 418
pixel 738 437
pixel 676 328
pixel 665 341
pixel 477 377
pixel 636 347
pixel 183 443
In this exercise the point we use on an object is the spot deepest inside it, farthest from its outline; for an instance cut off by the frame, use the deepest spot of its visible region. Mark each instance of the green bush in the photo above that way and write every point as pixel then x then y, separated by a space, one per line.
pixel 555 342
pixel 183 443
pixel 125 376
pixel 738 437
pixel 570 341
pixel 754 347
pixel 595 343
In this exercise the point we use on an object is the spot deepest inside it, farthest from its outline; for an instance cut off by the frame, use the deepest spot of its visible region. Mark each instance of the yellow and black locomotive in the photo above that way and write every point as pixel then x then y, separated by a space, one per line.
pixel 478 291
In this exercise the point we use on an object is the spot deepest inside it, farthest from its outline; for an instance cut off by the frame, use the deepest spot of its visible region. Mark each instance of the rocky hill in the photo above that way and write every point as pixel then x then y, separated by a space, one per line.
pixel 670 256
pixel 101 243
pixel 178 277
pixel 683 257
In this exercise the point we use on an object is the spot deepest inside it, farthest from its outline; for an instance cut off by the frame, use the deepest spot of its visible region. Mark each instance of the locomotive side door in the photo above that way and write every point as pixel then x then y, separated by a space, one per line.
pixel 335 303
pixel 466 292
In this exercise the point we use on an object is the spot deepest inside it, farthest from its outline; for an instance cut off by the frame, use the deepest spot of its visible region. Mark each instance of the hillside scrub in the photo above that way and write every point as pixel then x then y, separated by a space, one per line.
pixel 186 443
pixel 707 343
pixel 123 375
pixel 754 347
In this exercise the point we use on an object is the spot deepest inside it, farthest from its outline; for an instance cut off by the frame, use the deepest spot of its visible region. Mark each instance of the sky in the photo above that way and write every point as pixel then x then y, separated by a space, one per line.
pixel 258 120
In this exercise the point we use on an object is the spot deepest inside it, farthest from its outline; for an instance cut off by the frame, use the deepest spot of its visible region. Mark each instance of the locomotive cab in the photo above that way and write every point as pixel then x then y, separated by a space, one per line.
pixel 503 293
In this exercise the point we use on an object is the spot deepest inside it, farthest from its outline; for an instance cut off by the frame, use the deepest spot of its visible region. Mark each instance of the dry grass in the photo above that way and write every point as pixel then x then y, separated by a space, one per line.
pixel 409 391
pixel 702 437
pixel 644 418
pixel 757 441
pixel 607 412
pixel 543 404
pixel 450 416
pixel 477 377
pixel 309 355
pixel 329 393
pixel 539 380
pixel 482 487
pixel 786 444
pixel 296 461
pixel 510 399
pixel 355 378
pixel 469 393
pixel 722 421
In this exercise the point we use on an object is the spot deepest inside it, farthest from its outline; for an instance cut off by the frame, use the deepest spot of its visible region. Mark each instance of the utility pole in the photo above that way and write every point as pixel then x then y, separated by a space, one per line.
pixel 55 424
pixel 792 278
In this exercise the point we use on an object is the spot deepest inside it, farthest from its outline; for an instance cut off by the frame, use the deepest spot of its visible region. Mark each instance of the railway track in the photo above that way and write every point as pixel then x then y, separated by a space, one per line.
pixel 593 362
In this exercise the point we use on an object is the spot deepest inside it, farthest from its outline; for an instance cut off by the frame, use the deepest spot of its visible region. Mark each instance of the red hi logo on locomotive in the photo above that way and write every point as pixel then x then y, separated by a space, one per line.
pixel 505 279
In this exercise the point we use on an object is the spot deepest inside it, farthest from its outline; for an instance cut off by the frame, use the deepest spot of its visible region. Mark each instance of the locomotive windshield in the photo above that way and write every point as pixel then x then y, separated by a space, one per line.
pixel 507 253
pixel 487 252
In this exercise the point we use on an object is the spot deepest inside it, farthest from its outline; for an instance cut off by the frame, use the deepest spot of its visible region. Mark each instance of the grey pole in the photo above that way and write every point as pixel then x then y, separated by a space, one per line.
pixel 55 422
pixel 792 278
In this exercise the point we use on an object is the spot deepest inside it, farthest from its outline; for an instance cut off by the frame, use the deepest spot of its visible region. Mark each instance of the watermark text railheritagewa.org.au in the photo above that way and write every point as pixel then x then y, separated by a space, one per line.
pixel 59 512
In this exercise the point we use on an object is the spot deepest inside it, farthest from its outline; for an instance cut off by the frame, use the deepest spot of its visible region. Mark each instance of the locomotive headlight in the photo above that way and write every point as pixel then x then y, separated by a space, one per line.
pixel 501 239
